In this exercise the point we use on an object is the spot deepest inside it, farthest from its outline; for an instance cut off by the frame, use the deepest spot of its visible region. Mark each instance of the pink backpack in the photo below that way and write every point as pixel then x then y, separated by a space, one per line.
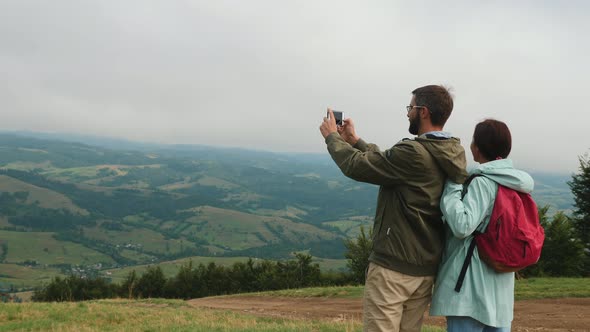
pixel 514 236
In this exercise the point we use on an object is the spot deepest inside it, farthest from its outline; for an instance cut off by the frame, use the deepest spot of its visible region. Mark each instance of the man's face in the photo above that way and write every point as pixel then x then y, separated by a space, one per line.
pixel 414 117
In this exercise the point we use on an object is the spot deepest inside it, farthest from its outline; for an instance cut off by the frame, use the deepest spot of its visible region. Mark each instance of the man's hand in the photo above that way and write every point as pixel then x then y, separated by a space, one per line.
pixel 347 132
pixel 329 125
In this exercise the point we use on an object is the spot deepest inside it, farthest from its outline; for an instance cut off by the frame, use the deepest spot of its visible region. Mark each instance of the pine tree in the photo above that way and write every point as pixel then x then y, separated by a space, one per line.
pixel 580 186
pixel 538 269
pixel 357 253
pixel 563 253
pixel 152 282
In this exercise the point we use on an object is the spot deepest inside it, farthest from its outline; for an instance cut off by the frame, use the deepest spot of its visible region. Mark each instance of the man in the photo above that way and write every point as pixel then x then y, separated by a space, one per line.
pixel 407 233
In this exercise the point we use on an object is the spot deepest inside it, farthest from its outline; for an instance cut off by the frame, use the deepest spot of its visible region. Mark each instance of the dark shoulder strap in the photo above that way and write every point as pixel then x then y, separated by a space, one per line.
pixel 469 255
pixel 467 182
pixel 466 263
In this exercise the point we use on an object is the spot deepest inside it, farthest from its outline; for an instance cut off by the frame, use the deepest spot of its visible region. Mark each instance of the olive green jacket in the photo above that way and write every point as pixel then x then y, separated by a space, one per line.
pixel 408 231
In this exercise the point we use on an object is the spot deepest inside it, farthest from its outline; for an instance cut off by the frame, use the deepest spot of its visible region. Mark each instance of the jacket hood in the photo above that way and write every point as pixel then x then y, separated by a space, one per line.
pixel 502 172
pixel 449 155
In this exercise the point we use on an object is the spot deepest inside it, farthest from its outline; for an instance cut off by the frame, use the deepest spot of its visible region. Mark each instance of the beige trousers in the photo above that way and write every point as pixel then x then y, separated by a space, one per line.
pixel 395 301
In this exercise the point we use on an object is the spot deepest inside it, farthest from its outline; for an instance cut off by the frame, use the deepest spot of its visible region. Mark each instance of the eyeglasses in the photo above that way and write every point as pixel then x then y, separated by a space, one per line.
pixel 410 107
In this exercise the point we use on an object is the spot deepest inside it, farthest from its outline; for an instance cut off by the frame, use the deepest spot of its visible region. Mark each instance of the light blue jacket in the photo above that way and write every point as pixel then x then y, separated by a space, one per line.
pixel 486 296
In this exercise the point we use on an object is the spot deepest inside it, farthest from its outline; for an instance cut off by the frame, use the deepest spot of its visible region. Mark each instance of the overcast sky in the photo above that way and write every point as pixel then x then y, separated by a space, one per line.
pixel 261 73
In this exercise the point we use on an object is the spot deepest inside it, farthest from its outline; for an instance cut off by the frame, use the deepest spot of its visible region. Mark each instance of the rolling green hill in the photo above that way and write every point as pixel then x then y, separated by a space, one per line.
pixel 42 197
pixel 72 207
pixel 43 249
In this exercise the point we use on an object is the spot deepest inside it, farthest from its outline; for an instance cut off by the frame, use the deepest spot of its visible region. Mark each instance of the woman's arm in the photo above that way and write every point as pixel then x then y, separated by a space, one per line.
pixel 464 216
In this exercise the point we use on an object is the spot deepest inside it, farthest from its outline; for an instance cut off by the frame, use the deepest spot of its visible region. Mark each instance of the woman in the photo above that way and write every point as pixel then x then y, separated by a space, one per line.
pixel 486 299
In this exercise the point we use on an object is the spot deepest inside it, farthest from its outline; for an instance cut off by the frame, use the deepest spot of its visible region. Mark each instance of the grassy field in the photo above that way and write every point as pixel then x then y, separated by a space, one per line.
pixel 44 197
pixel 337 292
pixel 177 315
pixel 25 276
pixel 152 315
pixel 221 228
pixel 539 288
pixel 89 174
pixel 351 226
pixel 327 264
pixel 240 230
pixel 148 315
pixel 43 248
pixel 533 288
pixel 148 239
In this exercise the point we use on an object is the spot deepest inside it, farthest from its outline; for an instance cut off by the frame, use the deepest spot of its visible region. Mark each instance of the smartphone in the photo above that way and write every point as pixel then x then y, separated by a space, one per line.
pixel 339 116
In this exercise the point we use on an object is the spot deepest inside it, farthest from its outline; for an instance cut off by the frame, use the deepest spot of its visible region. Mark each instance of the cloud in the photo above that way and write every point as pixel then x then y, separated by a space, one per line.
pixel 260 74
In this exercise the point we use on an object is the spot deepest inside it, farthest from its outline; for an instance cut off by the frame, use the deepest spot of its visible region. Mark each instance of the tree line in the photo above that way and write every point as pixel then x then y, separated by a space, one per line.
pixel 566 251
pixel 195 281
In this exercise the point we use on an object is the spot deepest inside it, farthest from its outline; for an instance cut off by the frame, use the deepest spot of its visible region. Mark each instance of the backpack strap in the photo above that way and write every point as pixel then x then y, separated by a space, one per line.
pixel 469 255
pixel 466 263
pixel 467 182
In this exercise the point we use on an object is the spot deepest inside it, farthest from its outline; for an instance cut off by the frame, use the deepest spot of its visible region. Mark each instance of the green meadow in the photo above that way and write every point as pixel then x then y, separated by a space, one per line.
pixel 147 315
pixel 22 276
pixel 533 288
pixel 150 241
pixel 153 315
pixel 540 288
pixel 239 230
pixel 42 197
pixel 43 248
pixel 178 315
pixel 34 258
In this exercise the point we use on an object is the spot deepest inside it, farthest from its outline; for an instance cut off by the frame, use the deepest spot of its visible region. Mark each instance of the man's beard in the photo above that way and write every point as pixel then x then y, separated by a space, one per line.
pixel 414 125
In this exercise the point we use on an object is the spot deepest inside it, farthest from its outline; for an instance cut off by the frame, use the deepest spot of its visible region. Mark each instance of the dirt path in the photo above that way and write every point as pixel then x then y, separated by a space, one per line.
pixel 567 314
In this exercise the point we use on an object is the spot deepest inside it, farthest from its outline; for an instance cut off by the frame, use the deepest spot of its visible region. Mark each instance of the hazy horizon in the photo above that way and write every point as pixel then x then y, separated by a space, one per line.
pixel 114 143
pixel 260 74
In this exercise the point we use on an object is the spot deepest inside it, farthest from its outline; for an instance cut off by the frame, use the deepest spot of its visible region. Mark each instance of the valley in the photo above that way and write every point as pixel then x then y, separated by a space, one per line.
pixel 68 207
